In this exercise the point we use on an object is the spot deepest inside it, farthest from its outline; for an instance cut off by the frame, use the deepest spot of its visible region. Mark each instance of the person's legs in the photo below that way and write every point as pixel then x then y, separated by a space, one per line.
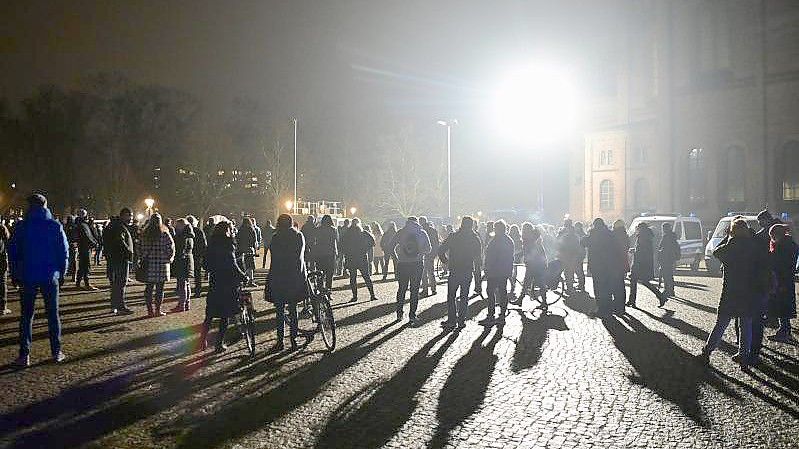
pixel 601 295
pixel 27 301
pixel 159 296
pixel 478 277
pixel 403 281
pixel 368 280
pixel 452 290
pixel 633 289
pixel 148 297
pixel 491 298
pixel 415 280
pixel 220 340
pixel 206 327
pixel 50 294
pixel 3 293
pixel 386 258
pixel 713 340
pixel 785 327
pixel 580 275
pixel 293 321
pixel 745 341
pixel 354 282
pixel 465 280
pixel 757 325
pixel 668 280
pixel 619 296
pixel 280 311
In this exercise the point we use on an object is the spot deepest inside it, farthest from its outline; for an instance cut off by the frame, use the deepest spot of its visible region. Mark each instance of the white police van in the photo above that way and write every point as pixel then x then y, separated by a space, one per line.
pixel 689 235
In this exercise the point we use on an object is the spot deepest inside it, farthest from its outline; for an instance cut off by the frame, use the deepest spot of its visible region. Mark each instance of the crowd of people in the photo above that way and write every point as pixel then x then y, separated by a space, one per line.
pixel 40 252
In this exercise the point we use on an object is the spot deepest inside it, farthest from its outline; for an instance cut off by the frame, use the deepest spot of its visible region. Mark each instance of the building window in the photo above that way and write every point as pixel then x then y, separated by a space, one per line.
pixel 790 170
pixel 640 155
pixel 605 158
pixel 606 195
pixel 696 176
pixel 735 175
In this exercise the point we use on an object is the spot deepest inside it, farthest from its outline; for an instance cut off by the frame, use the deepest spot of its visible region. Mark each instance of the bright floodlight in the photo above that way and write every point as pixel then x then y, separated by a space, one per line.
pixel 289 205
pixel 149 202
pixel 534 105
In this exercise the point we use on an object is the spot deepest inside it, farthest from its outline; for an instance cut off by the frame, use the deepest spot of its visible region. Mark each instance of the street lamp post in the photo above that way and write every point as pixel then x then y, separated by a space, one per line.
pixel 449 124
pixel 295 161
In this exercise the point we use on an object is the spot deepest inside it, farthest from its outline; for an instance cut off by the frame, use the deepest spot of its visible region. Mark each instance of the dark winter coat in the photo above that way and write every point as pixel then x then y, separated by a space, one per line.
pixel 117 243
pixel 745 273
pixel 604 253
pixel 326 244
pixel 246 240
pixel 356 243
pixel 499 257
pixel 643 267
pixel 461 249
pixel 200 245
pixel 411 243
pixel 669 249
pixel 623 241
pixel 782 263
pixel 183 266
pixel 286 280
pixel 84 236
pixel 225 278
pixel 38 249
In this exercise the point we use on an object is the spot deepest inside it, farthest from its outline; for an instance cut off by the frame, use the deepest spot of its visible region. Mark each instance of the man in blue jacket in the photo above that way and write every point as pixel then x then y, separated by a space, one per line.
pixel 37 254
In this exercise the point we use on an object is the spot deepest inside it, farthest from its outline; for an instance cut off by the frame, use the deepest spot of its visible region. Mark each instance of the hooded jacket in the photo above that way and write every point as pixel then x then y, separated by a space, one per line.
pixel 38 249
pixel 411 243
pixel 461 249
pixel 499 257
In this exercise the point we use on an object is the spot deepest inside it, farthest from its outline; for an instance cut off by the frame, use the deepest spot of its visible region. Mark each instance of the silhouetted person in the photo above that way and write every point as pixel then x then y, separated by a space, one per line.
pixel 388 253
pixel 71 231
pixel 267 232
pixel 226 277
pixel 5 236
pixel 604 262
pixel 198 251
pixel 763 240
pixel 246 243
pixel 183 265
pixel 535 265
pixel 782 304
pixel 459 251
pixel 118 250
pixel 410 245
pixel 286 281
pixel 744 265
pixel 356 244
pixel 570 253
pixel 325 249
pixel 378 255
pixel 429 274
pixel 643 268
pixel 84 237
pixel 579 270
pixel 669 254
pixel 37 254
pixel 498 268
pixel 308 230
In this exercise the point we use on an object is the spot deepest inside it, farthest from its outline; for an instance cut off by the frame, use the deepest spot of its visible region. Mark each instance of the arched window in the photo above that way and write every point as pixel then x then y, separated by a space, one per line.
pixel 790 172
pixel 696 176
pixel 606 195
pixel 641 193
pixel 735 175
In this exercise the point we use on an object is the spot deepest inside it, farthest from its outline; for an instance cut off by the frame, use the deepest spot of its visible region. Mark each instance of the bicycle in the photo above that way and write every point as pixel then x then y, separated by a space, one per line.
pixel 245 319
pixel 543 304
pixel 314 312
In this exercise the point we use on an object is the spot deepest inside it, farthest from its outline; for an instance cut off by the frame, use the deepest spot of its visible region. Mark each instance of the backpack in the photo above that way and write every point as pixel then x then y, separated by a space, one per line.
pixel 410 246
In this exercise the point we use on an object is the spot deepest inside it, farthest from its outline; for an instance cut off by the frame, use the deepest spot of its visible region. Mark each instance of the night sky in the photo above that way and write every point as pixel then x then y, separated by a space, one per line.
pixel 339 65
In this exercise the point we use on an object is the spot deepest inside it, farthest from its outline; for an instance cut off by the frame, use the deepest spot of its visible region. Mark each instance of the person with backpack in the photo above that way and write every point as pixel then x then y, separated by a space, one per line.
pixel 459 251
pixel 118 245
pixel 356 244
pixel 668 255
pixel 498 268
pixel 410 245
pixel 37 256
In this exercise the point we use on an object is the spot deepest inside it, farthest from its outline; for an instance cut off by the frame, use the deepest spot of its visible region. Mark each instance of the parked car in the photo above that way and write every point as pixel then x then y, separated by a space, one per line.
pixel 689 235
pixel 713 265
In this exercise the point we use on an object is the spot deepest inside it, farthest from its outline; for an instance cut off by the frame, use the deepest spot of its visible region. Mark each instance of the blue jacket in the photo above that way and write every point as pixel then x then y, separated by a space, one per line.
pixel 38 251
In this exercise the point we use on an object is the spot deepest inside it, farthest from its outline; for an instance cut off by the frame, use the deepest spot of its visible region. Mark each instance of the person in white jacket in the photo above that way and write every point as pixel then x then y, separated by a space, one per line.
pixel 410 244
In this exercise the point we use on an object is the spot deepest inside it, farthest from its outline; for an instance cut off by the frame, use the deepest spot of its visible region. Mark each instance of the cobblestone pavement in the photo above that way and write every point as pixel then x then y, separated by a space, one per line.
pixel 563 379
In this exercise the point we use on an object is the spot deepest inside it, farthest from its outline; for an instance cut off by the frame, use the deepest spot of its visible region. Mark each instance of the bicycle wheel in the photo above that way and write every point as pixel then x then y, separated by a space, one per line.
pixel 327 324
pixel 248 329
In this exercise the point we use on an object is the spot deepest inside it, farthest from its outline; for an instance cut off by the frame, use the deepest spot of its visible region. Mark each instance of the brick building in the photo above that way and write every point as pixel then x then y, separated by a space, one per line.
pixel 704 116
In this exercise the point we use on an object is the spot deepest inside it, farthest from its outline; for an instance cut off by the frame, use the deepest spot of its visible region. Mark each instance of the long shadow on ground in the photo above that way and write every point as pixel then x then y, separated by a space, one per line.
pixel 531 340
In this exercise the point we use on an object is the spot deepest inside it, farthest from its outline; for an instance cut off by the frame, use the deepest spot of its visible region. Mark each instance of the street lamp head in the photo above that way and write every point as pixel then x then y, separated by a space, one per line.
pixel 289 205
pixel 353 210
pixel 149 202
pixel 451 122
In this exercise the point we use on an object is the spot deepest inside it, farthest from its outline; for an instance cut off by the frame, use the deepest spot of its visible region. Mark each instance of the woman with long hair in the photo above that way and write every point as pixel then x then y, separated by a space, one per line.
pixel 226 277
pixel 286 281
pixel 156 251
pixel 782 303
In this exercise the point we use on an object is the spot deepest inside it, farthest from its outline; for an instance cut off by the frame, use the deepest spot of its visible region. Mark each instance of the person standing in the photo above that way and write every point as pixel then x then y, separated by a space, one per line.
pixel 286 281
pixel 763 240
pixel 342 228
pixel 669 254
pixel 534 256
pixel 570 253
pixel 308 229
pixel 118 245
pixel 388 252
pixel 156 253
pixel 226 277
pixel 498 268
pixel 198 252
pixel 459 251
pixel 409 245
pixel 325 250
pixel 782 304
pixel 378 254
pixel 268 232
pixel 183 265
pixel 356 244
pixel 246 241
pixel 429 274
pixel 85 243
pixel 743 263
pixel 37 255
pixel 579 270
pixel 98 237
pixel 71 231
pixel 643 268
pixel 515 235
pixel 5 235
pixel 604 262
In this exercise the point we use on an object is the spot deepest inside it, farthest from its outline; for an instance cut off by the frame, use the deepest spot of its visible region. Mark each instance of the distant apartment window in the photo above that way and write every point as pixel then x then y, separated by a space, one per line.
pixel 605 158
pixel 735 174
pixel 606 195
pixel 696 176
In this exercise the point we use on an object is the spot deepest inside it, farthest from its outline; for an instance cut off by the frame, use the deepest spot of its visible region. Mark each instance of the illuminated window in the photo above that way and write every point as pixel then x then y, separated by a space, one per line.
pixel 606 195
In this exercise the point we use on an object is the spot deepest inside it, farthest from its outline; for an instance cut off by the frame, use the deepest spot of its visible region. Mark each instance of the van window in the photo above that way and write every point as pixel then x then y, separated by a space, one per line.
pixel 693 231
